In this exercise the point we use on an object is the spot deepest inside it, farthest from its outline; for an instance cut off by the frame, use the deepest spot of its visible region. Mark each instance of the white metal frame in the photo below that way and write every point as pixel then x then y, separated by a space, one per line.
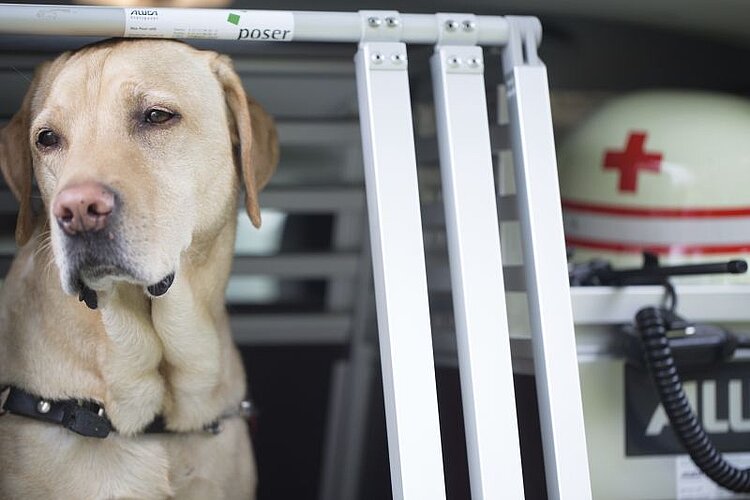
pixel 471 218
pixel 545 265
pixel 482 335
pixel 399 271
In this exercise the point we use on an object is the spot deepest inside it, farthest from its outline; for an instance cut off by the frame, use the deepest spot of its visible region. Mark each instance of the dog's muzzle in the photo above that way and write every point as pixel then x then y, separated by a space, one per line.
pixel 88 214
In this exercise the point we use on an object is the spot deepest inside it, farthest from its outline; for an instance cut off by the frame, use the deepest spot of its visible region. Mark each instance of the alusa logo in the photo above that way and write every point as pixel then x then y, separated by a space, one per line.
pixel 144 12
pixel 720 399
pixel 710 409
pixel 234 19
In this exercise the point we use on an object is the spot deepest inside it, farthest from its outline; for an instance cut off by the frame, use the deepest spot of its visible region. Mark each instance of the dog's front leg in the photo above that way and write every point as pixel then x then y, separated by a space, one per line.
pixel 192 351
pixel 135 388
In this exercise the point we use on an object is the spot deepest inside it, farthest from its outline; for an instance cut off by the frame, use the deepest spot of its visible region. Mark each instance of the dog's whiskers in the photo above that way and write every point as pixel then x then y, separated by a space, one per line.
pixel 43 251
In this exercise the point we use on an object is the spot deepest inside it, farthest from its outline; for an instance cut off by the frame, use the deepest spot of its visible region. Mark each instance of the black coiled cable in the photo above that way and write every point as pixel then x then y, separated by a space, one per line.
pixel 652 326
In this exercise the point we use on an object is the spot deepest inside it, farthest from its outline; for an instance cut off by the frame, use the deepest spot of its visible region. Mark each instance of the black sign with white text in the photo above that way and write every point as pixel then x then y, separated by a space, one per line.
pixel 720 397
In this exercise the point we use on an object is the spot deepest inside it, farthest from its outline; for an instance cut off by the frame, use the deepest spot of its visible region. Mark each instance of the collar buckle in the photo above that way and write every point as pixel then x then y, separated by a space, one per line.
pixel 86 422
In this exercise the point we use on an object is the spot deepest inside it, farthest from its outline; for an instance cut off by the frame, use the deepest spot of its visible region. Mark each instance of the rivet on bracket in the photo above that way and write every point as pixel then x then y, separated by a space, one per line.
pixel 377 58
pixel 451 25
pixel 374 22
pixel 454 61
pixel 398 58
pixel 392 22
pixel 469 25
pixel 475 62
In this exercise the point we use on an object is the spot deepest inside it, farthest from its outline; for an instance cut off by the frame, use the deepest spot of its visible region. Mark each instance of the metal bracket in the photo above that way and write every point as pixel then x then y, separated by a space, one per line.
pixel 380 25
pixel 456 29
pixel 385 56
pixel 525 35
pixel 461 59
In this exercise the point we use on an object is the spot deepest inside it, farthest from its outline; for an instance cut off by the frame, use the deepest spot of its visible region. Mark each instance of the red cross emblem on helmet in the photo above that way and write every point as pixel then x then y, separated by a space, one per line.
pixel 630 161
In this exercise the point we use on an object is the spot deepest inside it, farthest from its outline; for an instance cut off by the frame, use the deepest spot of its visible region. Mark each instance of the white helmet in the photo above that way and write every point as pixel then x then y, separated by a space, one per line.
pixel 665 172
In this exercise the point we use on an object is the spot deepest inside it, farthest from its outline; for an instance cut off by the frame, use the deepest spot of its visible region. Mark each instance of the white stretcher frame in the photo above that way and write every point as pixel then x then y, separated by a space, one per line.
pixel 472 228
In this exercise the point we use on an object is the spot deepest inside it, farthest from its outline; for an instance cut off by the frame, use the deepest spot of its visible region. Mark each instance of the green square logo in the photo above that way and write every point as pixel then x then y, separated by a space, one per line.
pixel 234 19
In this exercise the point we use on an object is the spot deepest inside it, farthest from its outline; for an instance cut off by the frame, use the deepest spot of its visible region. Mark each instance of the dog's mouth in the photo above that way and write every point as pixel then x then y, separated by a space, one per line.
pixel 89 296
pixel 91 265
pixel 162 287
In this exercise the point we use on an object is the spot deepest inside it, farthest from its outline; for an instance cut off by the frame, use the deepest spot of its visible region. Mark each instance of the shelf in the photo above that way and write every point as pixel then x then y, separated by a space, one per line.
pixel 299 266
pixel 608 305
pixel 290 329
pixel 598 313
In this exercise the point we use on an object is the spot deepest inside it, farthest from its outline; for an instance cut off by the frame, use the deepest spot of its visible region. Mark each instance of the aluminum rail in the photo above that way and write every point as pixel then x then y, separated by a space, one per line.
pixel 476 268
pixel 545 266
pixel 304 26
pixel 399 274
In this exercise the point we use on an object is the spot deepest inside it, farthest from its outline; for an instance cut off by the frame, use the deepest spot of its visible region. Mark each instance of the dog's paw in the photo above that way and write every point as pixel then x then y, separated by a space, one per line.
pixel 130 365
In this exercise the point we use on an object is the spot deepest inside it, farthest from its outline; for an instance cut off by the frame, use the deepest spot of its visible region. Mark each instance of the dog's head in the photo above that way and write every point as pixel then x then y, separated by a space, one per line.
pixel 137 148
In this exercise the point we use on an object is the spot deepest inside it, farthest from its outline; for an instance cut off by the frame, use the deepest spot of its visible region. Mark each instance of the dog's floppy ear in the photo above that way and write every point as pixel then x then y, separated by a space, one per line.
pixel 253 131
pixel 15 162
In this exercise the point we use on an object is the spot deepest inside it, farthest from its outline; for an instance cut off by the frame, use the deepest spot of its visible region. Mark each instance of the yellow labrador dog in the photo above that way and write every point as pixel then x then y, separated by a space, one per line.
pixel 139 149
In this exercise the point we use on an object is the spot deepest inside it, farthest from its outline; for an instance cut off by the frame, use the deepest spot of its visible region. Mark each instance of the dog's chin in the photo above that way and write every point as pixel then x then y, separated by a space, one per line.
pixel 104 278
pixel 90 282
pixel 99 278
pixel 84 270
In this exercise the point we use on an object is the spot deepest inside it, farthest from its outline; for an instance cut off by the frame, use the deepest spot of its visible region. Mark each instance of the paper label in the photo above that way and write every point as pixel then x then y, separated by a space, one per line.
pixel 211 24
pixel 692 484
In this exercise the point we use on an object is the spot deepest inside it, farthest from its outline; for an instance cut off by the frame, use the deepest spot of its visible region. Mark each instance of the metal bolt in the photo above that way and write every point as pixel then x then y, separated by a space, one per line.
pixel 398 58
pixel 451 25
pixel 43 406
pixel 392 22
pixel 454 61
pixel 374 22
pixel 475 62
pixel 246 409
pixel 469 25
pixel 377 58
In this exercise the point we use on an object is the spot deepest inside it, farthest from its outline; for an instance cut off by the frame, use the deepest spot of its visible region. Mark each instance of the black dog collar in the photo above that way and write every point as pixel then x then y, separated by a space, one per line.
pixel 82 417
pixel 89 419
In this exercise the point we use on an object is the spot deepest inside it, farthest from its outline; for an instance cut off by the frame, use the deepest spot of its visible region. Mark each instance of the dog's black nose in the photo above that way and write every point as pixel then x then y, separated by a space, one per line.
pixel 83 207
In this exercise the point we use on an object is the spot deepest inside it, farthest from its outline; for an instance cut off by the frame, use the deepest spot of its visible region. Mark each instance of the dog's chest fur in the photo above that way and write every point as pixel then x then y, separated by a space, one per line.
pixel 55 346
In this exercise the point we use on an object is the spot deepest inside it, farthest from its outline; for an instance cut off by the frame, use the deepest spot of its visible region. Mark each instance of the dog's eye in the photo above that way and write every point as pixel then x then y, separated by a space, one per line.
pixel 47 138
pixel 158 116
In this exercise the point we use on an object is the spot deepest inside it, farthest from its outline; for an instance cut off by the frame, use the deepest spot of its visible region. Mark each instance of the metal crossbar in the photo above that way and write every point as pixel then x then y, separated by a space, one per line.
pixel 303 26
pixel 471 215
